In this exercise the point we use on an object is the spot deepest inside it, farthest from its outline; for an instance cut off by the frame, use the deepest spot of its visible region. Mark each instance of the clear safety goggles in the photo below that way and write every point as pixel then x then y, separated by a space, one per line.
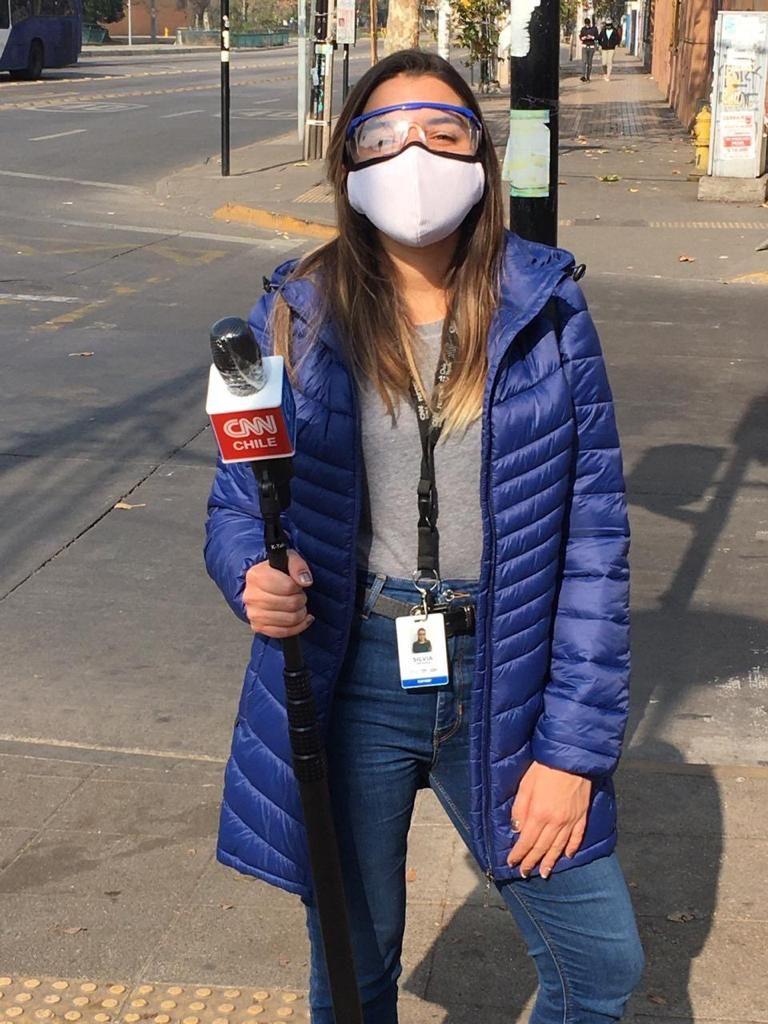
pixel 441 127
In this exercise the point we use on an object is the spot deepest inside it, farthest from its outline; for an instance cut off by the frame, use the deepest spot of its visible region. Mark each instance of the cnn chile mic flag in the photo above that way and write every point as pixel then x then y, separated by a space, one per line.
pixel 261 425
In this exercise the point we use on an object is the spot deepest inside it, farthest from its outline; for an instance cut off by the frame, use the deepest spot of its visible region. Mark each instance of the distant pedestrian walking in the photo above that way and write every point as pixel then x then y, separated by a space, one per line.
pixel 609 39
pixel 588 37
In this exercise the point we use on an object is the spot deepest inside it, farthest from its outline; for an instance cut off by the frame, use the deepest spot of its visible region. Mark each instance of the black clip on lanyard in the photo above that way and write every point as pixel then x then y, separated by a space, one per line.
pixel 428 562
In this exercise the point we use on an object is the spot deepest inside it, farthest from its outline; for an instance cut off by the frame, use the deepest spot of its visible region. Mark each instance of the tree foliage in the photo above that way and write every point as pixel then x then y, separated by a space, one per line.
pixel 103 12
pixel 477 26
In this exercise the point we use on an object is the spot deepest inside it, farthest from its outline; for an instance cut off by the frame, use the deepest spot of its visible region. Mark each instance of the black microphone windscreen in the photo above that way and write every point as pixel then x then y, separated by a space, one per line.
pixel 236 356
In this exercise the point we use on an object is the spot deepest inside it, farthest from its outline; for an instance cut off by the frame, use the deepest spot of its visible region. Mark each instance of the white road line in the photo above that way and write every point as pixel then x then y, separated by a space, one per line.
pixel 9 297
pixel 173 755
pixel 58 135
pixel 277 244
pixel 72 181
pixel 182 113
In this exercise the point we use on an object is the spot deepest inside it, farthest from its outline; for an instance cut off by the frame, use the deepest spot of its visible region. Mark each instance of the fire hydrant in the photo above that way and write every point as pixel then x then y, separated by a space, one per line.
pixel 702 128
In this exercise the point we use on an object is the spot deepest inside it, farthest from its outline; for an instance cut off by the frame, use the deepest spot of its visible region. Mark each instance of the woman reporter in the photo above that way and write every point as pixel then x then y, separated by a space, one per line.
pixel 527 576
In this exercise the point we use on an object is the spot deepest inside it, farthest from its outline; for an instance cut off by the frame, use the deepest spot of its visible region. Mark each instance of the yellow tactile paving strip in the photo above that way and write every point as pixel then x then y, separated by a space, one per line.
pixel 24 1000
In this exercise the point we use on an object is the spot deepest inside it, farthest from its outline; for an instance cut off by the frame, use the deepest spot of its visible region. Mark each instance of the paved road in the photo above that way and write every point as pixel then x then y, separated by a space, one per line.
pixel 131 119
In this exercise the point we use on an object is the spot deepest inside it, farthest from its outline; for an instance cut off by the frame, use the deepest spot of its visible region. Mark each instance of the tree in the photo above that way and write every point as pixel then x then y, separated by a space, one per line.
pixel 402 25
pixel 478 30
pixel 102 11
pixel 613 9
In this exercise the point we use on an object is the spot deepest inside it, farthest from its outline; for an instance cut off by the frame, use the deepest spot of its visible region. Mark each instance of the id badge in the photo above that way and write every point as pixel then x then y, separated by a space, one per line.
pixel 422 651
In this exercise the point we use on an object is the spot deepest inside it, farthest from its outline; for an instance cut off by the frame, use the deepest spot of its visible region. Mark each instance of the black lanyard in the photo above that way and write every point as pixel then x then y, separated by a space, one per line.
pixel 428 562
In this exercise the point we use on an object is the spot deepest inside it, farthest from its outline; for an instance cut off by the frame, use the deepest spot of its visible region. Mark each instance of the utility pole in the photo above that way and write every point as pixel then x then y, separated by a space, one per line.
pixel 153 20
pixel 303 71
pixel 531 162
pixel 374 9
pixel 225 88
pixel 318 134
pixel 444 29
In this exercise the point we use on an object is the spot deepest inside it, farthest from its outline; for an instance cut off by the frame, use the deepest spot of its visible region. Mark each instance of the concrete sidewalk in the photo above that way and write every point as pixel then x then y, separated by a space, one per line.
pixel 112 901
pixel 626 187
pixel 112 908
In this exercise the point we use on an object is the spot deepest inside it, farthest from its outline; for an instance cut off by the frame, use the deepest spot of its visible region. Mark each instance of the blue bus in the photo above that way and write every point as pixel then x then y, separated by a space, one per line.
pixel 38 34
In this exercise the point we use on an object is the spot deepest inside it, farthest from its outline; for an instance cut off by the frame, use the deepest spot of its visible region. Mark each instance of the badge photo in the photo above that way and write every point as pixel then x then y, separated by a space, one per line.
pixel 422 651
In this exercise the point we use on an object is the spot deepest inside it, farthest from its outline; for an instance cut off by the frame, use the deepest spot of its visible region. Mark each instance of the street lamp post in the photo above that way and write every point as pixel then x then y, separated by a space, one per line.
pixel 225 97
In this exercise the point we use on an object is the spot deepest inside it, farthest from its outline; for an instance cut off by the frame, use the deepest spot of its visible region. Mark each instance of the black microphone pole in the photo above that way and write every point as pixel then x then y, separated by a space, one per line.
pixel 235 352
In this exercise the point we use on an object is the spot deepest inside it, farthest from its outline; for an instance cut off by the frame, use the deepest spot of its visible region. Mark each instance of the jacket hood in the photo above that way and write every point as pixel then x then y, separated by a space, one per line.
pixel 530 271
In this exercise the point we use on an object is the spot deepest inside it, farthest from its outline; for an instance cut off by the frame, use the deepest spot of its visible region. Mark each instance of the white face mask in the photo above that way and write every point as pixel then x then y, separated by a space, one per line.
pixel 416 197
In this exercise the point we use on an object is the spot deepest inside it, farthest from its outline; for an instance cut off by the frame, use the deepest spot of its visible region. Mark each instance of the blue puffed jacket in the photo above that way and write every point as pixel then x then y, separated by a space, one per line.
pixel 552 661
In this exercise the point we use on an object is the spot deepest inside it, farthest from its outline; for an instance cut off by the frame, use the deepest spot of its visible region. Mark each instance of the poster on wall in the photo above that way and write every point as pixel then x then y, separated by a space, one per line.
pixel 739 85
pixel 346 22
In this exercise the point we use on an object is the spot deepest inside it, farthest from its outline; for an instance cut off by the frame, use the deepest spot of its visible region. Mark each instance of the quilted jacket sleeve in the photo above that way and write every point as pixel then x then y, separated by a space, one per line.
pixel 234 528
pixel 582 724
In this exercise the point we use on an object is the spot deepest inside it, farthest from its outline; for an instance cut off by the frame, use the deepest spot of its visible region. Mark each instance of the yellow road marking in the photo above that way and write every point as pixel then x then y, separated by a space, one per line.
pixel 759 277
pixel 284 222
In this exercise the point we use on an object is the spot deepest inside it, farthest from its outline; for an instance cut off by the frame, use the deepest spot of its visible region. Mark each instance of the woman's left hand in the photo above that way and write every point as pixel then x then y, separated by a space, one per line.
pixel 550 812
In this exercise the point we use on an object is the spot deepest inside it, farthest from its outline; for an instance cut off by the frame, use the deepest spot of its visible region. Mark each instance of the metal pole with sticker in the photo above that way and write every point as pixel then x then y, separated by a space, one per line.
pixel 225 88
pixel 530 164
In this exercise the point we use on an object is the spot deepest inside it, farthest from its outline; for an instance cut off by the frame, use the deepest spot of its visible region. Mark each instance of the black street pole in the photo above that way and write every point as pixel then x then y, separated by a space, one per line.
pixel 345 72
pixel 225 88
pixel 534 100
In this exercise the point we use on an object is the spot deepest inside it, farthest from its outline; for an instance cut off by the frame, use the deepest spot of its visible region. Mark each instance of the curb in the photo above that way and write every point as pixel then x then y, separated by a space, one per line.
pixel 274 220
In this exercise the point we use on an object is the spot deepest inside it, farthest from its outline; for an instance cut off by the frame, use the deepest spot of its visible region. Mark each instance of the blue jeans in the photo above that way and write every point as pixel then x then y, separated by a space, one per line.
pixel 385 743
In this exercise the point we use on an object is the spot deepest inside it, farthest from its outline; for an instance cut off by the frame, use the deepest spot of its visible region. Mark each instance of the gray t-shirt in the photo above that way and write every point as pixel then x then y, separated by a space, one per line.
pixel 392 451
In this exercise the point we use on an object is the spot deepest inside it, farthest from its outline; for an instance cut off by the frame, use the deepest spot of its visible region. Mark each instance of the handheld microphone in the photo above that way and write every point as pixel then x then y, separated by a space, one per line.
pixel 250 401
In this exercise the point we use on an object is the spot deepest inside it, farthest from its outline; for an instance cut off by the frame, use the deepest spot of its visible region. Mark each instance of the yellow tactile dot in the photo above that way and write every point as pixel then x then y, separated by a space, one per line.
pixel 81 1001
pixel 60 985
pixel 117 989
pixel 190 1020
pixel 23 997
pixel 51 999
pixel 226 1008
pixel 4 981
pixel 168 1004
pixel 232 993
pixel 175 990
pixel 253 1010
pixel 14 1011
pixel 43 1014
pixel 138 1002
pixel 197 1006
pixel 285 1011
pixel 109 1004
pixel 162 1018
pixel 101 1018
pixel 131 1018
pixel 289 997
pixel 144 990
pixel 261 995
pixel 72 1015
pixel 202 991
pixel 219 1020
pixel 32 983
pixel 88 986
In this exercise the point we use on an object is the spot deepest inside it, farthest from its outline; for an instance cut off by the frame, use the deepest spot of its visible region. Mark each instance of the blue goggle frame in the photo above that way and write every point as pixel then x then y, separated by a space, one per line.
pixel 414 105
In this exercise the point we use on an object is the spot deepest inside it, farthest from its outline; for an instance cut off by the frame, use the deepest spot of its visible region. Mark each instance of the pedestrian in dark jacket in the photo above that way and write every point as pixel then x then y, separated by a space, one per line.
pixel 520 745
pixel 609 39
pixel 588 37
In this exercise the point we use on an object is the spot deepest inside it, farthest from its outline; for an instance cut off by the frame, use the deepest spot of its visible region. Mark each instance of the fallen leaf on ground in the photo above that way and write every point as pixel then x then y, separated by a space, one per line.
pixel 675 172
pixel 654 998
pixel 74 931
pixel 227 906
pixel 633 190
pixel 125 504
pixel 609 177
pixel 686 259
pixel 70 354
pixel 562 183
pixel 410 875
pixel 113 892
pixel 681 916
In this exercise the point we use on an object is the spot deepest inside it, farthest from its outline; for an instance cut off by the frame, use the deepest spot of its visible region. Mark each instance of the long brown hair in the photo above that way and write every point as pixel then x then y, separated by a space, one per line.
pixel 359 285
